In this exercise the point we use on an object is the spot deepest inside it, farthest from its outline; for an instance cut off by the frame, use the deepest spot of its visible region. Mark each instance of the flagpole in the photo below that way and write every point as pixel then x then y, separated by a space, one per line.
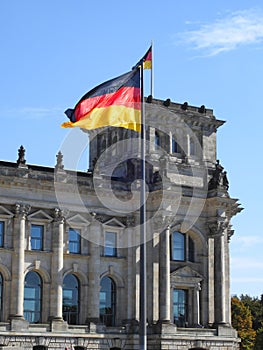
pixel 143 306
pixel 152 71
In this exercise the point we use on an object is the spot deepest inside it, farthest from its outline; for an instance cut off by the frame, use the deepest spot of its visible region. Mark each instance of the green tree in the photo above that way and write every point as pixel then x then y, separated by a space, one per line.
pixel 242 322
pixel 256 307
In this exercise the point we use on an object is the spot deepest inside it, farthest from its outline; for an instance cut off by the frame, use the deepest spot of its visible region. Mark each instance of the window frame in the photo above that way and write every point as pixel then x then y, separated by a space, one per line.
pixel 188 249
pixel 108 319
pixel 37 224
pixel 78 242
pixel 67 315
pixel 40 300
pixel 183 322
pixel 2 233
pixel 114 247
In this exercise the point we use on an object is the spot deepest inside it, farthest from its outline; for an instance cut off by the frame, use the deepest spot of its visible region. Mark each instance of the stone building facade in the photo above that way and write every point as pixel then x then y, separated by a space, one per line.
pixel 69 241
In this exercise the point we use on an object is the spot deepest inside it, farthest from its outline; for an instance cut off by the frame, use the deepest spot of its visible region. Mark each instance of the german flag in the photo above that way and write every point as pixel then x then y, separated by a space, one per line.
pixel 146 59
pixel 117 102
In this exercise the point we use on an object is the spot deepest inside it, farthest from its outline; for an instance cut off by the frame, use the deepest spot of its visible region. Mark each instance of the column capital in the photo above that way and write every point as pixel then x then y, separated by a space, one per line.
pixel 217 228
pixel 22 210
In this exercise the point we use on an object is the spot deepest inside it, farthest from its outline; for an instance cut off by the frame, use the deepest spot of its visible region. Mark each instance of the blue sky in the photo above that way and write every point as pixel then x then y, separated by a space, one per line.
pixel 205 52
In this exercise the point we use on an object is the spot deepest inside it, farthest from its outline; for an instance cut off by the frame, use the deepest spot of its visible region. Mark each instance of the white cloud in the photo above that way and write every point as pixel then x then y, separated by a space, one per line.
pixel 225 34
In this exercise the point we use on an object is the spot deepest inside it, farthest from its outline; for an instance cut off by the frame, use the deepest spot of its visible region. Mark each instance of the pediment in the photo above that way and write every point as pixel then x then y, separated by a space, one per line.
pixel 4 213
pixel 78 220
pixel 114 223
pixel 40 215
pixel 186 275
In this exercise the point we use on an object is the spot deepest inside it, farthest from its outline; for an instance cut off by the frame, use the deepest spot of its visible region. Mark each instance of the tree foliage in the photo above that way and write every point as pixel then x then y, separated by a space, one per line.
pixel 242 322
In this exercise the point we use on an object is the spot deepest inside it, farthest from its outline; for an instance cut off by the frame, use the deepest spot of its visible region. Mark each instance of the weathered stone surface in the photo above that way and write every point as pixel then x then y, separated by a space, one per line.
pixel 180 199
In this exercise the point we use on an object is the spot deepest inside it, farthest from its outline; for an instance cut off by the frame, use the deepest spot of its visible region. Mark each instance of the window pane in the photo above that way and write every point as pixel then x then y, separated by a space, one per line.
pixel 36 237
pixel 175 147
pixel 32 297
pixel 110 244
pixel 178 246
pixel 107 301
pixel 71 299
pixel 1 233
pixel 74 241
pixel 180 307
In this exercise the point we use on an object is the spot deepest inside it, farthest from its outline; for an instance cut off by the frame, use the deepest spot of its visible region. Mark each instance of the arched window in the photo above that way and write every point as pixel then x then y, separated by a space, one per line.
pixel 71 299
pixel 178 246
pixel 107 301
pixel 182 247
pixel 1 296
pixel 33 297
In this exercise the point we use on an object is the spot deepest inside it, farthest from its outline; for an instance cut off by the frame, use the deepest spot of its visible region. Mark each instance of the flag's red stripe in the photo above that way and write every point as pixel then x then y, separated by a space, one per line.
pixel 125 96
pixel 148 56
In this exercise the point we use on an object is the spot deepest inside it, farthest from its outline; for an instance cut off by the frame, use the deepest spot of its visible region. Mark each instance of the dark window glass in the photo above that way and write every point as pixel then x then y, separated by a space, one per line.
pixel 36 237
pixel 71 299
pixel 157 140
pixel 110 244
pixel 180 307
pixel 107 301
pixel 33 297
pixel 39 347
pixel 74 241
pixel 175 146
pixel 191 249
pixel 178 246
pixel 2 226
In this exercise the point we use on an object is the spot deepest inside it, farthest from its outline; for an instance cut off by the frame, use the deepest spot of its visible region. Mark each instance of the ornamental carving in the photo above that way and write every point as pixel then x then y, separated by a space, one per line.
pixel 22 210
pixel 219 178
pixel 59 215
pixel 217 228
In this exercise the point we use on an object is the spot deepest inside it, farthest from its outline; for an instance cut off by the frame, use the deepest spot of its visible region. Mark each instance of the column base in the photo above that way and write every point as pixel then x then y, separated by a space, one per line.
pixel 94 324
pixel 57 324
pixel 226 330
pixel 164 327
pixel 18 323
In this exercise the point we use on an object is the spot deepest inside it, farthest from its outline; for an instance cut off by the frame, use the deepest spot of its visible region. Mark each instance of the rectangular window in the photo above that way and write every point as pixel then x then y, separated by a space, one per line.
pixel 2 227
pixel 36 237
pixel 178 246
pixel 180 306
pixel 110 248
pixel 74 241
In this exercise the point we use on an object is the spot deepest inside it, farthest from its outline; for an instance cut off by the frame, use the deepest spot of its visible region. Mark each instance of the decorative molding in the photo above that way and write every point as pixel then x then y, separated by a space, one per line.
pixel 22 210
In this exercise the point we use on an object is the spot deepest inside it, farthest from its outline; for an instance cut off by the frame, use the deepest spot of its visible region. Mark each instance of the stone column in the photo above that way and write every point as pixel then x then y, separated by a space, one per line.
pixel 131 272
pixel 197 303
pixel 18 266
pixel 164 277
pixel 94 274
pixel 220 272
pixel 56 299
